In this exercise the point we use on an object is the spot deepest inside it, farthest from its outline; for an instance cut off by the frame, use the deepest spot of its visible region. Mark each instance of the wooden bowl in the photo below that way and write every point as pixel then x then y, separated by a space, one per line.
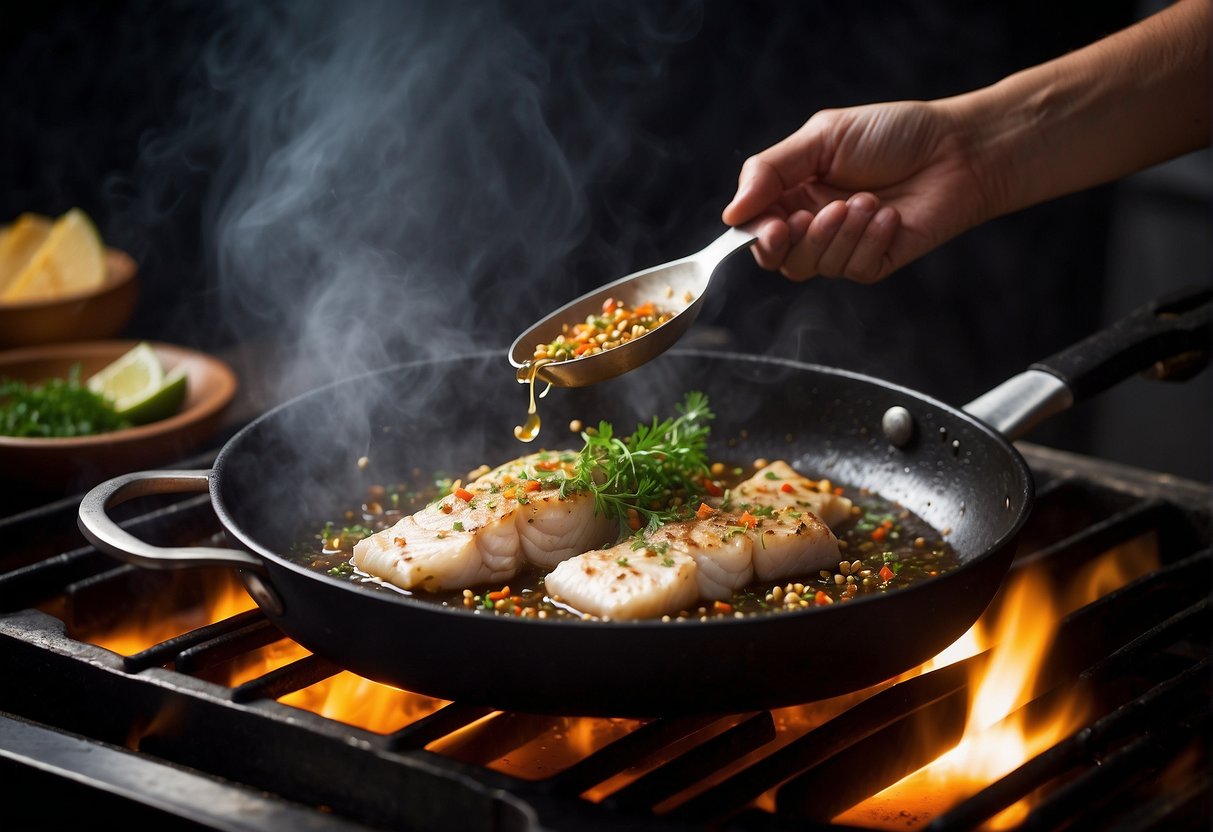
pixel 101 313
pixel 74 463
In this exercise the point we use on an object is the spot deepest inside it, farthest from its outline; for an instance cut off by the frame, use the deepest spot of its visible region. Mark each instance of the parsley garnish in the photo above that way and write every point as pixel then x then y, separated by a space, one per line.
pixel 638 543
pixel 59 407
pixel 457 526
pixel 643 470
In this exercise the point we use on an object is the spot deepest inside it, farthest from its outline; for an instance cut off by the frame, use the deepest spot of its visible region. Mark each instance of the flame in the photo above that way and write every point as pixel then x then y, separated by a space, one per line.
pixel 345 696
pixel 356 701
pixel 167 617
pixel 997 737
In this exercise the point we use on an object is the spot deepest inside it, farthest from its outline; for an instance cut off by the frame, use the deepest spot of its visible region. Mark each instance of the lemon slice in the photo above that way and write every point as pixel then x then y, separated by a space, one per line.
pixel 138 388
pixel 70 260
pixel 19 243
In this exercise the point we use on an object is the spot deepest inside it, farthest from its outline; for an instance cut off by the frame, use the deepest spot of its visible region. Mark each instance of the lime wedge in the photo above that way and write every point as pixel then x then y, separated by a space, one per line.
pixel 138 388
pixel 161 403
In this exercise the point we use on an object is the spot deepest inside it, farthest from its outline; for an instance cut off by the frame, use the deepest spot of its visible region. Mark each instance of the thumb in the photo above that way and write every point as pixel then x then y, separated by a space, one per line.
pixel 767 175
pixel 758 188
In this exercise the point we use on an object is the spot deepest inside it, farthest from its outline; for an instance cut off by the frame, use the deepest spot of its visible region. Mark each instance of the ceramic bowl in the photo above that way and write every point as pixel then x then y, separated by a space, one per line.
pixel 101 313
pixel 78 462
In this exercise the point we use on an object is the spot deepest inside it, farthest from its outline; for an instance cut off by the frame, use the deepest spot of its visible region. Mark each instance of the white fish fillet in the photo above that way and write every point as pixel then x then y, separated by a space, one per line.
pixel 767 488
pixel 723 558
pixel 456 543
pixel 769 532
pixel 621 582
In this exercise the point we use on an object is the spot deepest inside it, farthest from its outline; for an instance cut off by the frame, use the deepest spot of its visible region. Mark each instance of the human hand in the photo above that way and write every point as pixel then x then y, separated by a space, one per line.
pixel 860 192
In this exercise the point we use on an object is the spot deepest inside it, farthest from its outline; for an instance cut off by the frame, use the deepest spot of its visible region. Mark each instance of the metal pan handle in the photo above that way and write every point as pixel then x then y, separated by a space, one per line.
pixel 109 537
pixel 1170 336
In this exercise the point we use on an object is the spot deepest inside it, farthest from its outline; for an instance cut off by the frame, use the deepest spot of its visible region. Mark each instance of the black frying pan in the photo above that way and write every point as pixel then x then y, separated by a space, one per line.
pixel 955 469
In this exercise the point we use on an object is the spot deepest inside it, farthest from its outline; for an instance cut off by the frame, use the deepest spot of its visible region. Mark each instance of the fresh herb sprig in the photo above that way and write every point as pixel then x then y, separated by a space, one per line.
pixel 641 474
pixel 58 407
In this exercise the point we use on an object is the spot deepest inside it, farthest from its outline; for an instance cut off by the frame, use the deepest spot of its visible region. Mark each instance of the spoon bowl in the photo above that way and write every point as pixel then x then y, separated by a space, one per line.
pixel 676 287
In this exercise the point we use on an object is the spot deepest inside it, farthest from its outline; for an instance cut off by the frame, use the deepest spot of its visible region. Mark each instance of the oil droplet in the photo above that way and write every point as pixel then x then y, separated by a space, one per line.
pixel 530 429
pixel 526 375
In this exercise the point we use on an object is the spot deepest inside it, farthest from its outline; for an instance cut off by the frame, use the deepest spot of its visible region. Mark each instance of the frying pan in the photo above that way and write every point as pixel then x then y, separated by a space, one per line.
pixel 292 467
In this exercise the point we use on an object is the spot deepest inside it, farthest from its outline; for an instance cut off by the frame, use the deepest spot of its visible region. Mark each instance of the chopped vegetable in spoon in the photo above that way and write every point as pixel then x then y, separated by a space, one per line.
pixel 617 325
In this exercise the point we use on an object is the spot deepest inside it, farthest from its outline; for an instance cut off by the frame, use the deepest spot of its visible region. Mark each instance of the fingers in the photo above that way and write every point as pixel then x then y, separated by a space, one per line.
pixel 845 239
pixel 870 260
pixel 774 239
pixel 804 256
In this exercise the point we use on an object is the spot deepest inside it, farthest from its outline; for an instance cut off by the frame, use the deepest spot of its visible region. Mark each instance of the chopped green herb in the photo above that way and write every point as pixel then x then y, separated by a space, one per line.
pixel 457 526
pixel 58 407
pixel 770 475
pixel 622 561
pixel 638 543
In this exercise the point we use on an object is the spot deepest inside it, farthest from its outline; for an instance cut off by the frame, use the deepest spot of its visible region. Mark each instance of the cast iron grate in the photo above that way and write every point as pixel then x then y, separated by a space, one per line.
pixel 153 735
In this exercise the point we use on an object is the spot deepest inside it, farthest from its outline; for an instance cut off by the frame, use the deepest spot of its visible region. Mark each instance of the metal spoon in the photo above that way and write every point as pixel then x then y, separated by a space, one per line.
pixel 676 287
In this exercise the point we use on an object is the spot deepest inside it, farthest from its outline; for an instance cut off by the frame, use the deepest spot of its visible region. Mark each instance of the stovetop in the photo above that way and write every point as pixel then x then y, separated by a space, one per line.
pixel 167 733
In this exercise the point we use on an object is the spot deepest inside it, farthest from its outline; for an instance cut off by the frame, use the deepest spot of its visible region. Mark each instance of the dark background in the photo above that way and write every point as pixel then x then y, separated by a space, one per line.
pixel 564 145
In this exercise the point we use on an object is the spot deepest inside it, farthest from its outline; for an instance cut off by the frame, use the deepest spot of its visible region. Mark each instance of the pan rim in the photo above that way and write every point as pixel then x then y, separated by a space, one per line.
pixel 265 553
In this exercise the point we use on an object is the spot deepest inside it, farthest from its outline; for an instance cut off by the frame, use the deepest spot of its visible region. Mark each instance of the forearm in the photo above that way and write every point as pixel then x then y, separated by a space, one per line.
pixel 1127 102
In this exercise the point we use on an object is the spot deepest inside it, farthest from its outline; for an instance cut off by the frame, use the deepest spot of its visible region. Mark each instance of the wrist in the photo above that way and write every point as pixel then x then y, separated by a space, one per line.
pixel 999 127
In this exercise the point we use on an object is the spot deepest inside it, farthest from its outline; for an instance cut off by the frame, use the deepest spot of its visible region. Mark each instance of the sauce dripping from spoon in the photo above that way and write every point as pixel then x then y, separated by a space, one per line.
pixel 526 375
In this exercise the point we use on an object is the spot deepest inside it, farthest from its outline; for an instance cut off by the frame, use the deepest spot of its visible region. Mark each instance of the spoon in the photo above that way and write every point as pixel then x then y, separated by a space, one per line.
pixel 677 287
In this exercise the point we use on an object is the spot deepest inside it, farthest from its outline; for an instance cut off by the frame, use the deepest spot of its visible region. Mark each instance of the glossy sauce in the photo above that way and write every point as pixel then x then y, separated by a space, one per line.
pixel 526 375
pixel 884 547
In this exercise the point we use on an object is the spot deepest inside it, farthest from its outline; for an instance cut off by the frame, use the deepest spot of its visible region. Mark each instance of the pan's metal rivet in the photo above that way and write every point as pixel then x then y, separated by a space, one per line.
pixel 265 597
pixel 898 425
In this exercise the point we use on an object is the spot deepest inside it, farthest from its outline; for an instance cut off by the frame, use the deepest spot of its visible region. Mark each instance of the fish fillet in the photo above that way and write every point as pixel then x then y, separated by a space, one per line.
pixel 622 582
pixel 765 531
pixel 515 515
pixel 779 485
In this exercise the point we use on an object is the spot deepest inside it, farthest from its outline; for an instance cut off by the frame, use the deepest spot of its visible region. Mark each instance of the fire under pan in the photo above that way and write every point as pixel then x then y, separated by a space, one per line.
pixel 168 732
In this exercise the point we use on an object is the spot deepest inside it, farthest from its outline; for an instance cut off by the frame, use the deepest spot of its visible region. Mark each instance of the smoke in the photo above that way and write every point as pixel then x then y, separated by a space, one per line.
pixel 389 181
pixel 385 159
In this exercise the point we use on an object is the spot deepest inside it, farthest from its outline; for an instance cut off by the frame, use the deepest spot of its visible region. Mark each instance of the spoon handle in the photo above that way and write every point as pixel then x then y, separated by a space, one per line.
pixel 727 243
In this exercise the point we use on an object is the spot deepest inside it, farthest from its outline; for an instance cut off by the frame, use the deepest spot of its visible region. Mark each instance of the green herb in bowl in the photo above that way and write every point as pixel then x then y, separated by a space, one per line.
pixel 56 408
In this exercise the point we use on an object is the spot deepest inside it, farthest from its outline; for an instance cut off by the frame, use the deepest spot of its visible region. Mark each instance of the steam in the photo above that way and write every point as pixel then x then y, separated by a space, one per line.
pixel 390 155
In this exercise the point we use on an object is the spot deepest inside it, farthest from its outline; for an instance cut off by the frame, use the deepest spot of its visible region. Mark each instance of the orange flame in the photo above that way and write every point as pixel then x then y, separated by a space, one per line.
pixel 165 617
pixel 997 738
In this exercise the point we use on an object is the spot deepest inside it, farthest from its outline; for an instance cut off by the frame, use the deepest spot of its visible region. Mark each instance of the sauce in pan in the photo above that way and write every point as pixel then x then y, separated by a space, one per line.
pixel 885 548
